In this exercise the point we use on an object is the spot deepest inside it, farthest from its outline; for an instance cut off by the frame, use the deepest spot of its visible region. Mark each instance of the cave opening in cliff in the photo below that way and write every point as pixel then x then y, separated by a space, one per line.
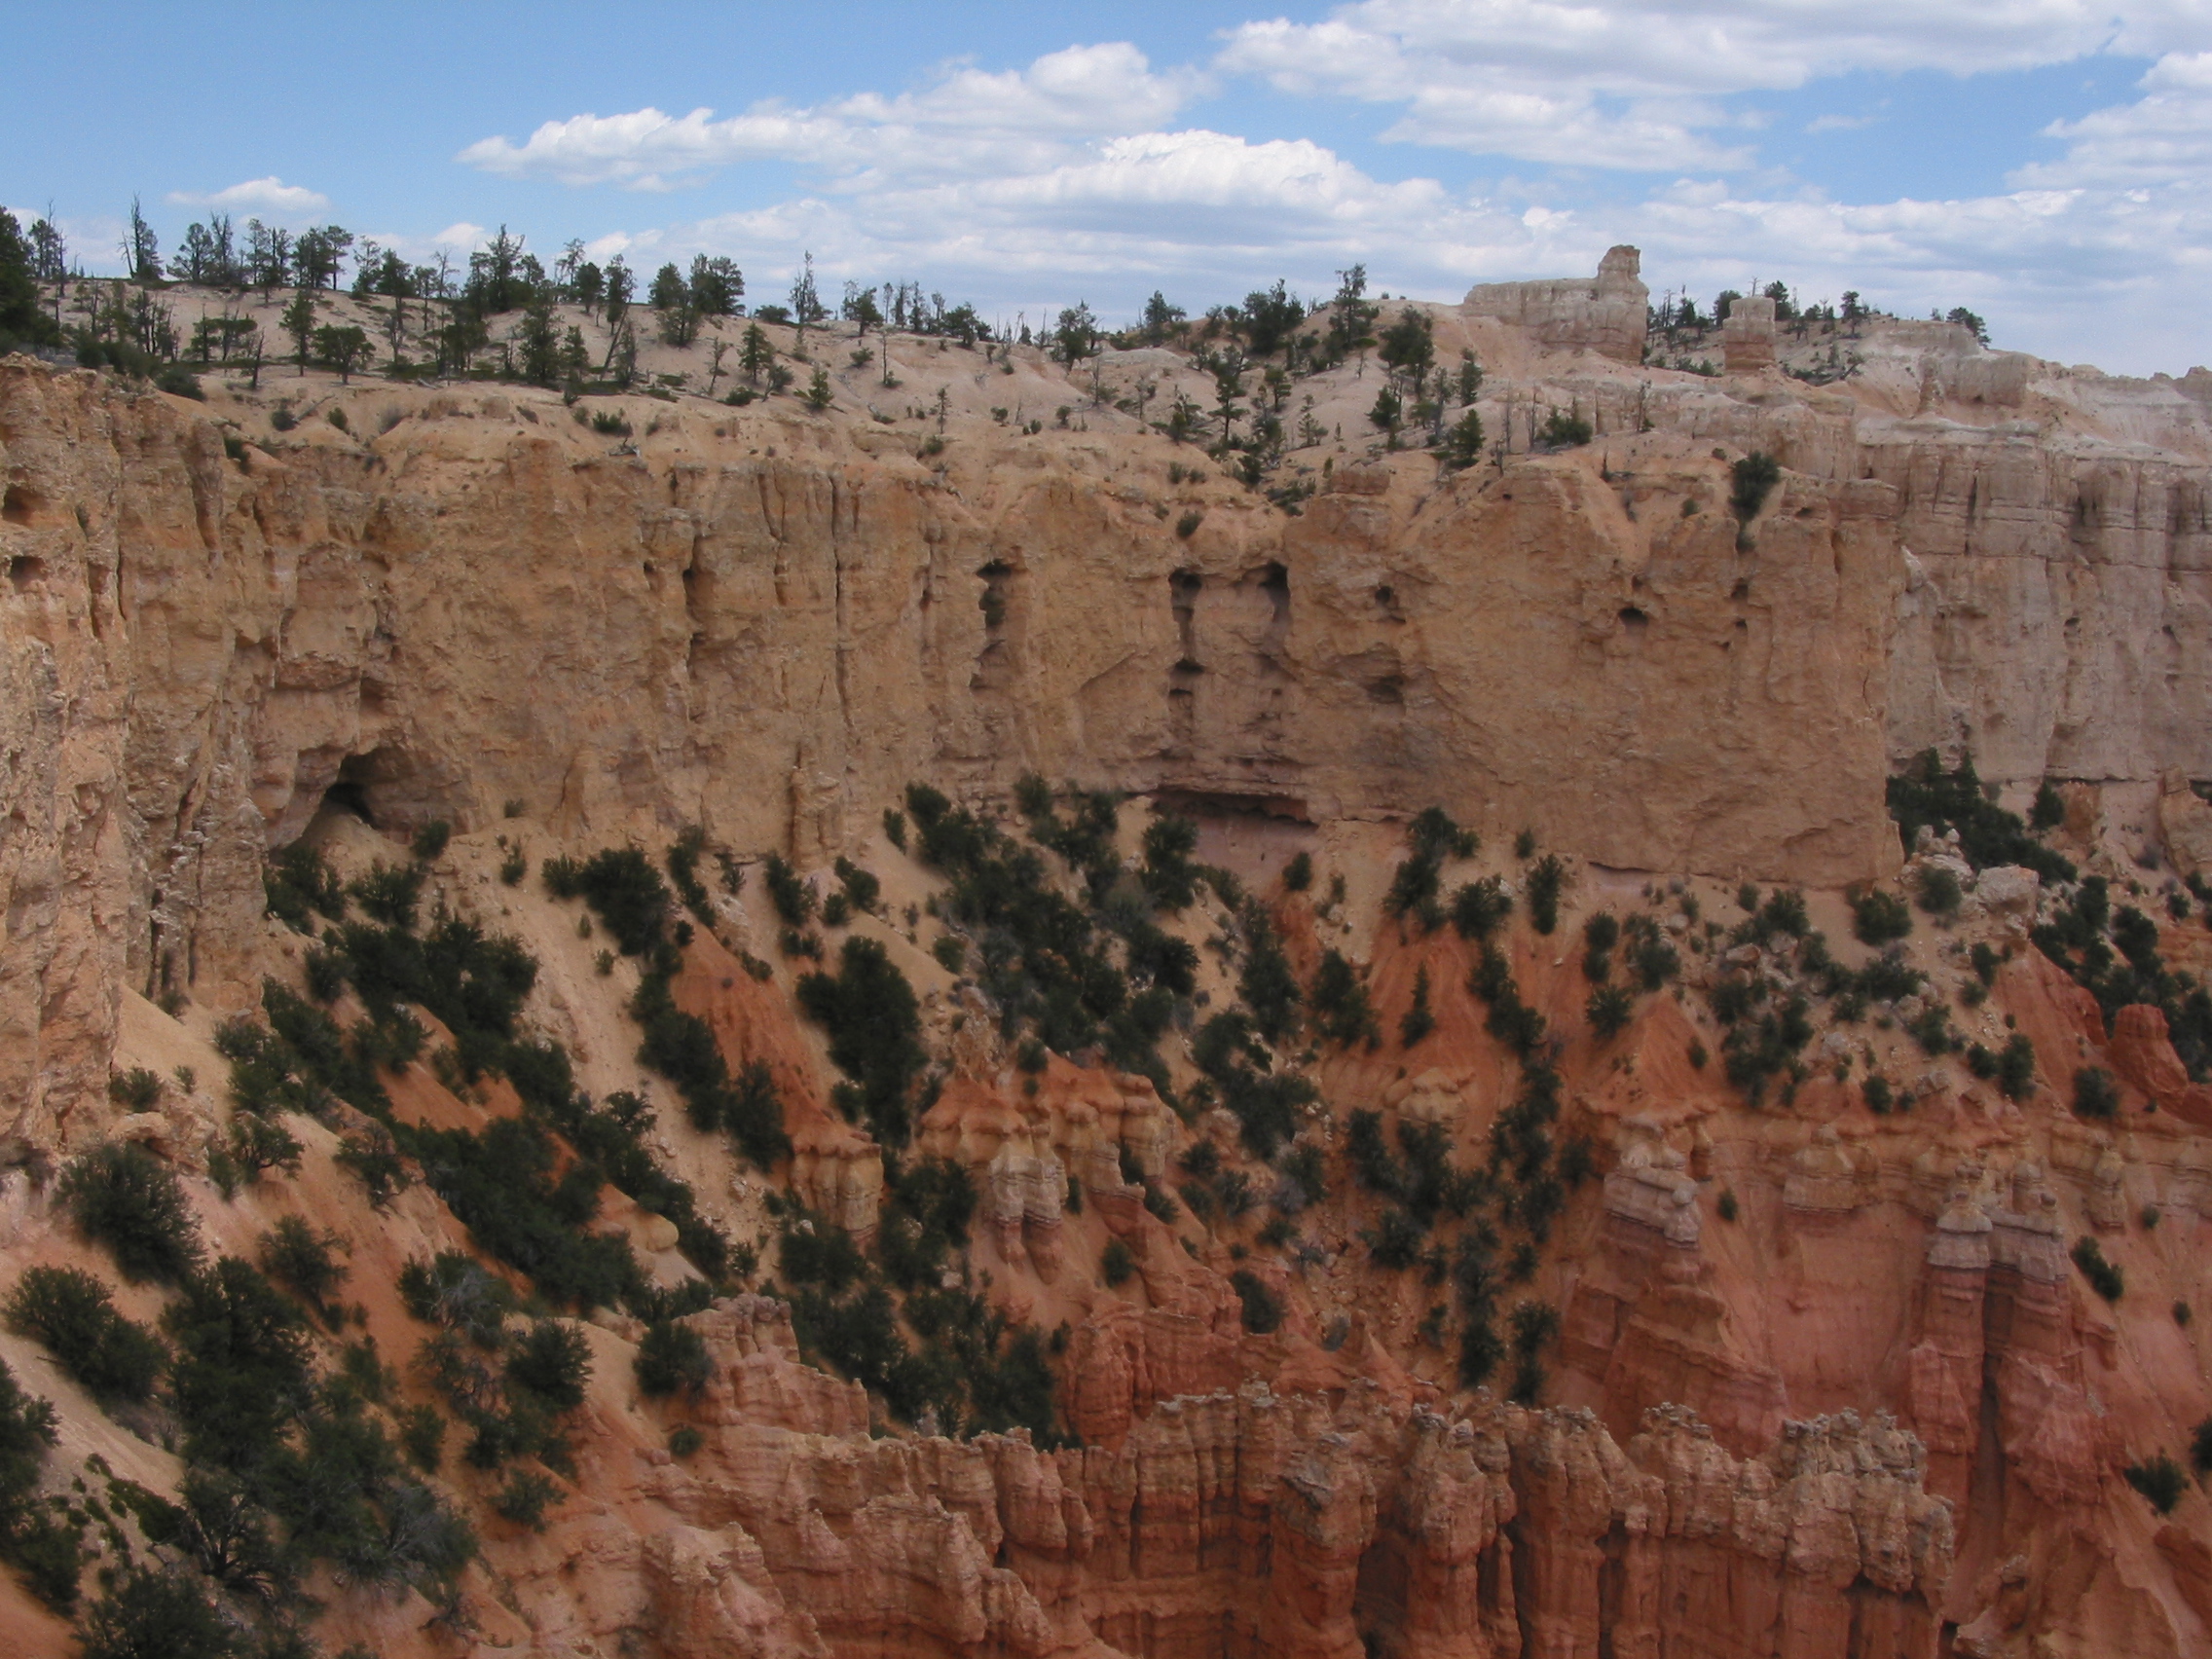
pixel 350 791
pixel 1275 584
pixel 18 505
pixel 381 787
pixel 1202 804
pixel 1183 590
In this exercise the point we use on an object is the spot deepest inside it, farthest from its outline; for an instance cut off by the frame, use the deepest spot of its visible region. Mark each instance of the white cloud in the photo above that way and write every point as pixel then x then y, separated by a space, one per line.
pixel 2163 138
pixel 1614 83
pixel 969 122
pixel 272 193
pixel 1840 122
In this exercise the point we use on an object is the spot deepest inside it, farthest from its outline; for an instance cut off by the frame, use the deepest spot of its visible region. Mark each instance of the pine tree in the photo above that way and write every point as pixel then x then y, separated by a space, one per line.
pixel 141 250
pixel 298 321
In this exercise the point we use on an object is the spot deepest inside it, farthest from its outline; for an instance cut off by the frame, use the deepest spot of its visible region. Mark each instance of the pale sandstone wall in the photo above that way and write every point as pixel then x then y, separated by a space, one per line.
pixel 768 625
pixel 1607 314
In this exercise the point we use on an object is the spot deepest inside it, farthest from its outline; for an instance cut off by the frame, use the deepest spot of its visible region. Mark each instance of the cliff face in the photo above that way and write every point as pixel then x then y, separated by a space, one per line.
pixel 767 625
pixel 1879 1408
pixel 481 607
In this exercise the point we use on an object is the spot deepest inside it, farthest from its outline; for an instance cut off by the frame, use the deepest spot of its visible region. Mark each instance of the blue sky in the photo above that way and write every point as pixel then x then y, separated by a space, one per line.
pixel 2048 163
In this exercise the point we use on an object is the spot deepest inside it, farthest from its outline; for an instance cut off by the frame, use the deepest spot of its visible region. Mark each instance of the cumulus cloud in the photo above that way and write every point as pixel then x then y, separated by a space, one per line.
pixel 272 195
pixel 1840 122
pixel 2163 138
pixel 968 120
pixel 1628 84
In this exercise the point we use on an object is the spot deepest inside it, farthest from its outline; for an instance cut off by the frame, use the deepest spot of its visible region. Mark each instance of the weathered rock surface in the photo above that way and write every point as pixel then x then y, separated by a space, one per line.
pixel 1570 314
pixel 766 624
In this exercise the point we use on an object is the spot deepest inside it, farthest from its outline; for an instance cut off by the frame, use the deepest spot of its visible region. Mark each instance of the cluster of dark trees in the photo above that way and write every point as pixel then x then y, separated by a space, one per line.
pixel 1678 314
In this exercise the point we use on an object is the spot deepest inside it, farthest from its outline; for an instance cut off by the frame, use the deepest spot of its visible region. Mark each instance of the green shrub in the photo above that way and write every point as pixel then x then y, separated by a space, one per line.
pixel 500 1184
pixel 257 1144
pixel 2095 1093
pixel 553 1363
pixel 793 898
pixel 684 1442
pixel 375 1161
pixel 1116 1264
pixel 1339 1002
pixel 45 1544
pixel 862 887
pixel 137 1088
pixel 1394 1241
pixel 2159 1479
pixel 118 1196
pixel 1269 988
pixel 431 840
pixel 153 1613
pixel 1261 1307
pixel 219 1525
pixel 672 1359
pixel 1878 1094
pixel 525 1498
pixel 1563 430
pixel 1726 1208
pixel 2105 1278
pixel 623 890
pixel 1755 477
pixel 390 894
pixel 1877 917
pixel 684 873
pixel 1479 907
pixel 27 1434
pixel 2200 1445
pixel 1480 1352
pixel 1419 1020
pixel 241 1376
pixel 1545 879
pixel 1167 873
pixel 68 1309
pixel 1298 875
pixel 1931 1028
pixel 875 1025
pixel 2050 809
pixel 304 1262
pixel 1534 1323
pixel 422 1435
pixel 1608 1011
pixel 1925 794
pixel 513 867
pixel 950 951
pixel 2017 1068
pixel 1938 891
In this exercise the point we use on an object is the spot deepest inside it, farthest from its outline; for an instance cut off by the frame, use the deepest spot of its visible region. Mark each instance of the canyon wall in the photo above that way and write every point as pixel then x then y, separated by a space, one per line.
pixel 468 606
pixel 768 623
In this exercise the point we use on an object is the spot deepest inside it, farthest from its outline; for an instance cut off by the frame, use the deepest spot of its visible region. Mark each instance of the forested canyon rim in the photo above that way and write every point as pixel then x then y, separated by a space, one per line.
pixel 1821 1377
